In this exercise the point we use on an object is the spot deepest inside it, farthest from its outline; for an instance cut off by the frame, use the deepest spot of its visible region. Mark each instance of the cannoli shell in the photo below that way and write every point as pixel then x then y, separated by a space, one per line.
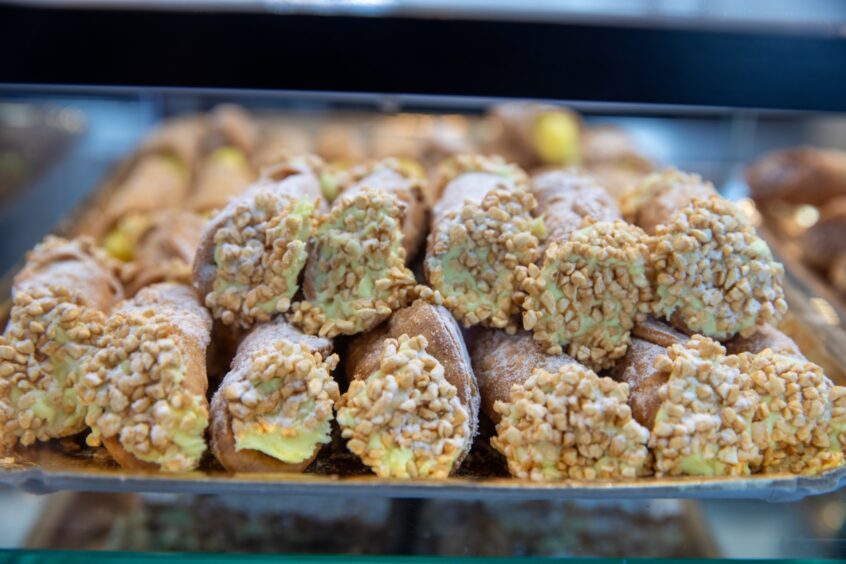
pixel 801 175
pixel 446 344
pixel 223 439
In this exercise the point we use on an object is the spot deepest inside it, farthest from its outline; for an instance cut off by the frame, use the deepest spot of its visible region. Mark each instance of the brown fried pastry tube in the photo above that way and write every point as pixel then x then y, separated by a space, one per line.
pixel 412 406
pixel 765 337
pixel 501 360
pixel 592 285
pixel 341 143
pixel 418 138
pixel 823 241
pixel 392 176
pixel 247 266
pixel 610 155
pixel 637 368
pixel 535 134
pixel 59 304
pixel 555 417
pixel 483 239
pixel 713 274
pixel 273 410
pixel 278 143
pixel 837 273
pixel 159 178
pixel 802 175
pixel 356 274
pixel 165 250
pixel 145 387
pixel 224 171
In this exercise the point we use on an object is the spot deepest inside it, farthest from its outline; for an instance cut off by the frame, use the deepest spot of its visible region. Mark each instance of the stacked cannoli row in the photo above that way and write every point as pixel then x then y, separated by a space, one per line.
pixel 606 337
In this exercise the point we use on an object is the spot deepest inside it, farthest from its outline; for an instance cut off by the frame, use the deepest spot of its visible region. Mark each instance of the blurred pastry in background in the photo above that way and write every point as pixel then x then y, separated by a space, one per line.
pixel 341 143
pixel 224 170
pixel 826 239
pixel 610 154
pixel 426 139
pixel 165 250
pixel 534 135
pixel 801 175
pixel 278 142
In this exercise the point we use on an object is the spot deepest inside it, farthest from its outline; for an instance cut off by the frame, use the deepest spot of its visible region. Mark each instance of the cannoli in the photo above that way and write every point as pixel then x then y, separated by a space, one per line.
pixel 424 139
pixel 273 410
pixel 570 423
pixel 392 176
pixel 802 175
pixel 59 304
pixel 341 143
pixel 592 285
pixel 165 250
pixel 609 154
pixel 535 134
pixel 823 241
pixel 356 274
pixel 159 178
pixel 412 406
pixel 247 266
pixel 765 337
pixel 704 421
pixel 837 273
pixel 713 274
pixel 278 143
pixel 483 239
pixel 145 387
pixel 224 171
pixel 501 360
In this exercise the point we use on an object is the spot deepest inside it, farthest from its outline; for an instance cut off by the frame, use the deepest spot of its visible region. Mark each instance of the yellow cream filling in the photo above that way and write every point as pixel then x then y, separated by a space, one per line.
pixel 556 138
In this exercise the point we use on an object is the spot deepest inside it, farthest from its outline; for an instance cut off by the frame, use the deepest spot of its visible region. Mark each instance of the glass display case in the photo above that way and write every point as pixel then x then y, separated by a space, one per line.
pixel 688 89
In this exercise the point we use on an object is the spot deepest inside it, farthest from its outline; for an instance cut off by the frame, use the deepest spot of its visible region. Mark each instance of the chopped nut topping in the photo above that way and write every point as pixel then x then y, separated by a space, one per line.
pixel 259 253
pixel 405 420
pixel 283 389
pixel 714 272
pixel 792 422
pixel 50 332
pixel 589 292
pixel 703 426
pixel 134 390
pixel 356 275
pixel 479 256
pixel 570 424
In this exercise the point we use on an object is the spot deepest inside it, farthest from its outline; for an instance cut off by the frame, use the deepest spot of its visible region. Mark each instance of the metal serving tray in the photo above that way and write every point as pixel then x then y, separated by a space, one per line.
pixel 69 464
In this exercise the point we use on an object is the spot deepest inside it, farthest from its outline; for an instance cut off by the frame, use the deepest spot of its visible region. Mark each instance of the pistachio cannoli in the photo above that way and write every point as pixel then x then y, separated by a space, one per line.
pixel 247 266
pixel 555 417
pixel 713 274
pixel 404 181
pixel 412 406
pixel 483 239
pixel 224 171
pixel 59 304
pixel 165 250
pixel 592 284
pixel 145 387
pixel 800 422
pixel 274 408
pixel 356 274
pixel 159 178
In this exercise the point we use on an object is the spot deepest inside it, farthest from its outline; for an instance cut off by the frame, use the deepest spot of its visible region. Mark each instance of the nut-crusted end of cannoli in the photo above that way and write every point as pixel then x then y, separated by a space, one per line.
pixel 472 162
pixel 259 251
pixel 654 199
pixel 589 292
pixel 49 335
pixel 406 420
pixel 791 425
pixel 356 275
pixel 143 400
pixel 703 425
pixel 277 401
pixel 570 423
pixel 714 275
pixel 478 257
